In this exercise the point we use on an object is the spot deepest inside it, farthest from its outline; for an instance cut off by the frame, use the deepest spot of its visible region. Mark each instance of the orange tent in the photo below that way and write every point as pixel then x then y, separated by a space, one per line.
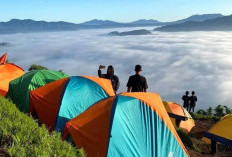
pixel 8 72
pixel 179 115
pixel 56 103
pixel 128 124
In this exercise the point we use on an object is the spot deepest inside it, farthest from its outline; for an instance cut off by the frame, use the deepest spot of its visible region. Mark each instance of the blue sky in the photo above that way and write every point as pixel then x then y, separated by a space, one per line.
pixel 118 10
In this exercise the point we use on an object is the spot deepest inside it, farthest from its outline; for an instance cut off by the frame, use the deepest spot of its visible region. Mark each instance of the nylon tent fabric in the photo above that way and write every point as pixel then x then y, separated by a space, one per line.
pixel 3 59
pixel 19 89
pixel 177 112
pixel 188 124
pixel 8 72
pixel 44 102
pixel 221 131
pixel 58 102
pixel 129 124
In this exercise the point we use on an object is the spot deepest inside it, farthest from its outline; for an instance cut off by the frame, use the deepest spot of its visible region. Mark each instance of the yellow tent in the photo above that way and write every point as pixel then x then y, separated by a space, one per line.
pixel 221 131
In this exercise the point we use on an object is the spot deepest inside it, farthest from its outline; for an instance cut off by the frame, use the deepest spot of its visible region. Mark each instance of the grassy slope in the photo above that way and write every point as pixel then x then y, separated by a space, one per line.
pixel 21 136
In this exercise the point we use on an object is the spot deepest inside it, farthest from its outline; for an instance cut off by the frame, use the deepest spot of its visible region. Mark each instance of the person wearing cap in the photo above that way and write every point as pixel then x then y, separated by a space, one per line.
pixel 109 75
pixel 137 83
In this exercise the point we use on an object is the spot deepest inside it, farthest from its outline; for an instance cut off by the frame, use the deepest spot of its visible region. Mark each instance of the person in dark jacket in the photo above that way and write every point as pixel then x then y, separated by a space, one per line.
pixel 137 83
pixel 185 98
pixel 109 75
pixel 193 100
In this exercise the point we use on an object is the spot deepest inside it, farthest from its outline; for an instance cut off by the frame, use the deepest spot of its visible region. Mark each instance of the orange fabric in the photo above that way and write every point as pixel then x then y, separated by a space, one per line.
pixel 155 103
pixel 104 83
pixel 179 110
pixel 3 59
pixel 94 141
pixel 2 92
pixel 8 72
pixel 188 124
pixel 45 102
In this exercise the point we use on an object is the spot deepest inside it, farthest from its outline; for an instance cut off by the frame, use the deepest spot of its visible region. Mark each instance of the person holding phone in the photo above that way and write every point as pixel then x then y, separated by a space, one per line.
pixel 109 75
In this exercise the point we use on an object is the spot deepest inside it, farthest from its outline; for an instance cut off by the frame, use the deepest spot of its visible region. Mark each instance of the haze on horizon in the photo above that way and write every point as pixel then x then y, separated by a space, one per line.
pixel 119 11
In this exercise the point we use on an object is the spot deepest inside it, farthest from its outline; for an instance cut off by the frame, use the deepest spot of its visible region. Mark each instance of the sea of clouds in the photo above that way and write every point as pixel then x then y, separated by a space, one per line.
pixel 172 62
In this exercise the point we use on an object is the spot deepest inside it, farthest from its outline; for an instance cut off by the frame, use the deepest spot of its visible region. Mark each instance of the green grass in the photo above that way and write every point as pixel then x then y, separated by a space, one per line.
pixel 21 136
pixel 197 116
pixel 186 139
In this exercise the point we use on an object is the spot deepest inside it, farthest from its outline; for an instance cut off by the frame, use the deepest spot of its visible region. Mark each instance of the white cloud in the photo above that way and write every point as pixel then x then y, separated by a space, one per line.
pixel 172 62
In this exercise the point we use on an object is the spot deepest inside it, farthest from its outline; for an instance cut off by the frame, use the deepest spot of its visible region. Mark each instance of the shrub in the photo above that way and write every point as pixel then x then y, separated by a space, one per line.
pixel 216 118
pixel 37 67
pixel 185 138
pixel 20 135
pixel 197 116
pixel 202 112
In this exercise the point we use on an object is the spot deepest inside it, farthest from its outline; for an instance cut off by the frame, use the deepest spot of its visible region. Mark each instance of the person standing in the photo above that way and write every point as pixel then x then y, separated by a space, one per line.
pixel 185 98
pixel 193 100
pixel 109 75
pixel 137 83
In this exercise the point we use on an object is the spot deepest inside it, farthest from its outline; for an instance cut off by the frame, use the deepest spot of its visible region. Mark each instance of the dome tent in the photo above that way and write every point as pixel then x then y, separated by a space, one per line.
pixel 19 89
pixel 221 131
pixel 179 116
pixel 129 124
pixel 56 103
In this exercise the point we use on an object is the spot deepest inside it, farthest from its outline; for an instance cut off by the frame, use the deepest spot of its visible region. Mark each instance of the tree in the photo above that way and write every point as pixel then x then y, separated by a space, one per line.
pixel 228 111
pixel 209 111
pixel 219 110
pixel 37 67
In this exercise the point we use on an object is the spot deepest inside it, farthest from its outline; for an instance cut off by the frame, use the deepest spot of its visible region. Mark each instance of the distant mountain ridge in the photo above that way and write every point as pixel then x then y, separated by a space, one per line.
pixel 198 17
pixel 144 21
pixel 112 24
pixel 218 24
pixel 21 26
pixel 28 25
pixel 99 22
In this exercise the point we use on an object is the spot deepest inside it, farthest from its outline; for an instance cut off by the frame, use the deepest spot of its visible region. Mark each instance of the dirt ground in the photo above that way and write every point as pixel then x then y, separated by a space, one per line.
pixel 3 153
pixel 205 149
